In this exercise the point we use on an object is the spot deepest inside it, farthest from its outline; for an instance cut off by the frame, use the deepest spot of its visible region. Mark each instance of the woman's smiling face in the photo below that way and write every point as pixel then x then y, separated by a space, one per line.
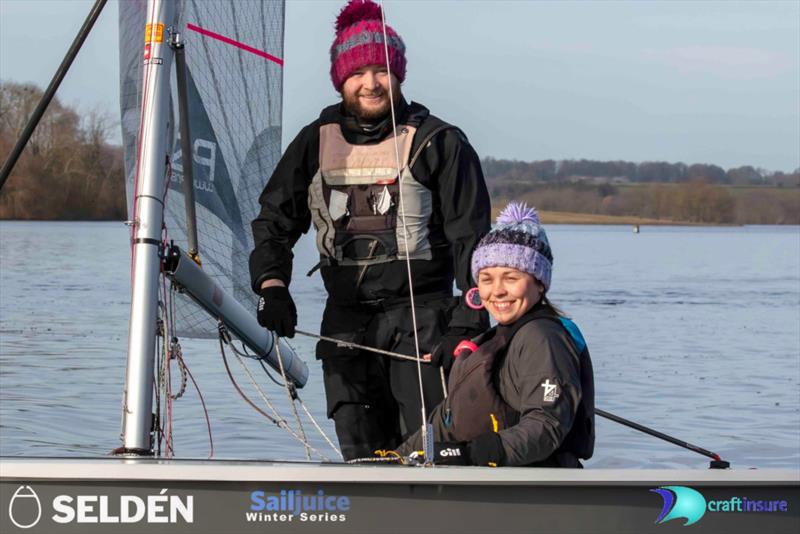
pixel 508 293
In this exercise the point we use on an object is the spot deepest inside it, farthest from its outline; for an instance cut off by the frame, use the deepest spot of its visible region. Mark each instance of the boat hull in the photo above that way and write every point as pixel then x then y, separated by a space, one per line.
pixel 151 495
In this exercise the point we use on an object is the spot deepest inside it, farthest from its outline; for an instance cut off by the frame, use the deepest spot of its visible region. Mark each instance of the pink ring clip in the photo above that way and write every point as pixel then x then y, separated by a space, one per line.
pixel 473 299
pixel 465 345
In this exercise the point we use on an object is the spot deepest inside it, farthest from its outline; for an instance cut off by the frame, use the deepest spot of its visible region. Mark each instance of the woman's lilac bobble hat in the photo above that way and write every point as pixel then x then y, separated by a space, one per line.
pixel 517 241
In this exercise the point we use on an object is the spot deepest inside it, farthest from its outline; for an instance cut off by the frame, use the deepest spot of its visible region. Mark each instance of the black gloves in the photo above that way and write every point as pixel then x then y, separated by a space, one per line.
pixel 442 353
pixel 276 311
pixel 487 449
pixel 450 453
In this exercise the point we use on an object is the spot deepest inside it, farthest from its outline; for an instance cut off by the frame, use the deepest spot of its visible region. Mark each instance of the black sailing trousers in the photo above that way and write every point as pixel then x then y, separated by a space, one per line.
pixel 374 399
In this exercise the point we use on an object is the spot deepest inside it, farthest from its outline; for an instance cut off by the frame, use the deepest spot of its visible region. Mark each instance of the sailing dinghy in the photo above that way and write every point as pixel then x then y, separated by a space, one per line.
pixel 199 146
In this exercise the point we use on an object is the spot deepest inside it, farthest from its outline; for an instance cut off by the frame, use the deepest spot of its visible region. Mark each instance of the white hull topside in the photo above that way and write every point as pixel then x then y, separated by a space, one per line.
pixel 151 469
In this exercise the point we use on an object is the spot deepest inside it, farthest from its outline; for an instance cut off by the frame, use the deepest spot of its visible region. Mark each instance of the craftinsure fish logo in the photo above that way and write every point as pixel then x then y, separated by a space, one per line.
pixel 681 502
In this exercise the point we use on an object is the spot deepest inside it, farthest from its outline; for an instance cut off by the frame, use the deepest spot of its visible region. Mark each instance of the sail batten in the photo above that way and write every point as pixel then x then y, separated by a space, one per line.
pixel 234 78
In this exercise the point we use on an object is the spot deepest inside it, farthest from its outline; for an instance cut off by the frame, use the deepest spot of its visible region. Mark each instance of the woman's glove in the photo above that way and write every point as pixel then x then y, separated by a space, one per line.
pixel 276 311
pixel 450 453
pixel 442 353
pixel 487 449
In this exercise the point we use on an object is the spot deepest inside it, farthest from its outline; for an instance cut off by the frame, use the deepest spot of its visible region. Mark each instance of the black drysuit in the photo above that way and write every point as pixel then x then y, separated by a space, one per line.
pixel 373 400
pixel 543 373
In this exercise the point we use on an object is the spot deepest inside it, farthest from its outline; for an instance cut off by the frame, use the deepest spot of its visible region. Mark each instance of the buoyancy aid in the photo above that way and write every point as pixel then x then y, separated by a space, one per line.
pixel 354 199
pixel 474 406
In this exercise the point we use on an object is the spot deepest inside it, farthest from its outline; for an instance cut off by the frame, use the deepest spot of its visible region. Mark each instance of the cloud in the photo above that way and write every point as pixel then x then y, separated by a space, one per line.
pixel 723 61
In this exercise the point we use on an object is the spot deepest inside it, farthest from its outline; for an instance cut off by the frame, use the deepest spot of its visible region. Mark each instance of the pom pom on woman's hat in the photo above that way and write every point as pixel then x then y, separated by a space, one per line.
pixel 517 241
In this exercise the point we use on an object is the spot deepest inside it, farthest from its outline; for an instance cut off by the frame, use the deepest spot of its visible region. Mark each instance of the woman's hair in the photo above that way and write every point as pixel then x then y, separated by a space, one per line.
pixel 552 307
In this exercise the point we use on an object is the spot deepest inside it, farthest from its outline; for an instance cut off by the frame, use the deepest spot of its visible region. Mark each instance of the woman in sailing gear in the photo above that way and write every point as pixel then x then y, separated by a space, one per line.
pixel 341 173
pixel 525 396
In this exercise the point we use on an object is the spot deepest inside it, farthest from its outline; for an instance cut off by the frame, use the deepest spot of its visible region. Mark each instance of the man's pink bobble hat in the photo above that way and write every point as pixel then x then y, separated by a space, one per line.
pixel 359 42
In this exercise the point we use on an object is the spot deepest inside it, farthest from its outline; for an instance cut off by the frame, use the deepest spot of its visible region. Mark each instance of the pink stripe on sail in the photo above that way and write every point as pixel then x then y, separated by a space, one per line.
pixel 237 44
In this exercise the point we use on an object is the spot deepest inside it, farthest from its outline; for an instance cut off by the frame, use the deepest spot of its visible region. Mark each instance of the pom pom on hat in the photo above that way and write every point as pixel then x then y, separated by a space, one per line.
pixel 518 241
pixel 516 213
pixel 359 42
pixel 356 11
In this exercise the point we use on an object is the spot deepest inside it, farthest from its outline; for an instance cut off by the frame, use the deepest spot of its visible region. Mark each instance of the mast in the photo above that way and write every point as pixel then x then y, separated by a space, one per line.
pixel 147 219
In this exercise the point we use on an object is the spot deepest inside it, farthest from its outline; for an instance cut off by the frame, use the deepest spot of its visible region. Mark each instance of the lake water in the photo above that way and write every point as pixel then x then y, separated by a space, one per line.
pixel 693 331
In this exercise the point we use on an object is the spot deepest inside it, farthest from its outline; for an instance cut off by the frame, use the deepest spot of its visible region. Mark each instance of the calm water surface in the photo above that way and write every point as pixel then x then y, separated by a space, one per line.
pixel 693 331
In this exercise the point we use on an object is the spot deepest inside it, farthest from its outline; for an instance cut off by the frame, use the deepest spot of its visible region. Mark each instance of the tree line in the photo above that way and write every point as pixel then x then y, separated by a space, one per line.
pixel 68 170
pixel 676 192
pixel 552 171
pixel 692 202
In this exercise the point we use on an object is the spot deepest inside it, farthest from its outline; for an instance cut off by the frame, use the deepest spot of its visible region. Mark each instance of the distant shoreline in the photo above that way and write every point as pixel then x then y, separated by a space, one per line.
pixel 547 217
pixel 565 217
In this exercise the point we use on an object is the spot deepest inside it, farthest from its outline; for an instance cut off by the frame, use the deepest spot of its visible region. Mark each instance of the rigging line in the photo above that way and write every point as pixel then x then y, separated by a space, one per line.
pixel 305 409
pixel 246 354
pixel 168 395
pixel 291 393
pixel 167 323
pixel 171 326
pixel 405 228
pixel 279 423
pixel 161 384
pixel 164 379
pixel 259 390
pixel 157 389
pixel 351 345
pixel 319 429
pixel 264 367
pixel 205 409
pixel 302 439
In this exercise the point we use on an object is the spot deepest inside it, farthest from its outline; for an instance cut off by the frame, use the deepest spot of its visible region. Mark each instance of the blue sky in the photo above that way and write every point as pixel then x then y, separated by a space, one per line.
pixel 691 81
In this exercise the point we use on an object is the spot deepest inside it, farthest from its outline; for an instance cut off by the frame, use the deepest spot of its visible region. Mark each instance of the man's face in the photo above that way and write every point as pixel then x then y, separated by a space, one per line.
pixel 366 92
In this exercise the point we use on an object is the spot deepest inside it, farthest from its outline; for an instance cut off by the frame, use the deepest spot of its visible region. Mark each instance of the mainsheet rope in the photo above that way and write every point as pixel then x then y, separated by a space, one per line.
pixel 277 420
pixel 405 230
pixel 291 393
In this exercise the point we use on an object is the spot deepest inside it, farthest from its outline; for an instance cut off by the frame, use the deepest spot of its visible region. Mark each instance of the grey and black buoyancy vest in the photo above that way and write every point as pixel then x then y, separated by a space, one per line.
pixel 354 200
pixel 474 406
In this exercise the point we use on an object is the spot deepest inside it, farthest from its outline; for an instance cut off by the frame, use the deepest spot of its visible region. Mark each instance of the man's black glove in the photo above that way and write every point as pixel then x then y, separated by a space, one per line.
pixel 450 453
pixel 276 311
pixel 442 353
pixel 487 449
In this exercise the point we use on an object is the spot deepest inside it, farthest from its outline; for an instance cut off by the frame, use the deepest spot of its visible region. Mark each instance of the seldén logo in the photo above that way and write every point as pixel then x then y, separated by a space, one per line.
pixel 681 502
pixel 26 508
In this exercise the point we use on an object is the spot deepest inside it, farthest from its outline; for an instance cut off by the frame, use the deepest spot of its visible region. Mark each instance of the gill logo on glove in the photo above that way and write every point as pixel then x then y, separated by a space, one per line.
pixel 680 502
pixel 450 452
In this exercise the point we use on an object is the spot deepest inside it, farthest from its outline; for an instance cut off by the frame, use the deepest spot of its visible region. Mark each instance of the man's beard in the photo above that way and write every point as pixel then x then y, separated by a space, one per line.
pixel 353 105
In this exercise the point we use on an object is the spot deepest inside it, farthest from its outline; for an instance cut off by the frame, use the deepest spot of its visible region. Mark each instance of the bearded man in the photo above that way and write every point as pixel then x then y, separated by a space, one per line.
pixel 341 172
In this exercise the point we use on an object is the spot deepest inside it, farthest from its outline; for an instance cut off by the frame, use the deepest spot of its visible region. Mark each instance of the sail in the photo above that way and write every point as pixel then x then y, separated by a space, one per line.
pixel 235 80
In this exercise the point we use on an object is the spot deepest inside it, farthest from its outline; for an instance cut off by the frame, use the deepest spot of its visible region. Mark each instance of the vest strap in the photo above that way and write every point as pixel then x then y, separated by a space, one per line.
pixel 428 138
